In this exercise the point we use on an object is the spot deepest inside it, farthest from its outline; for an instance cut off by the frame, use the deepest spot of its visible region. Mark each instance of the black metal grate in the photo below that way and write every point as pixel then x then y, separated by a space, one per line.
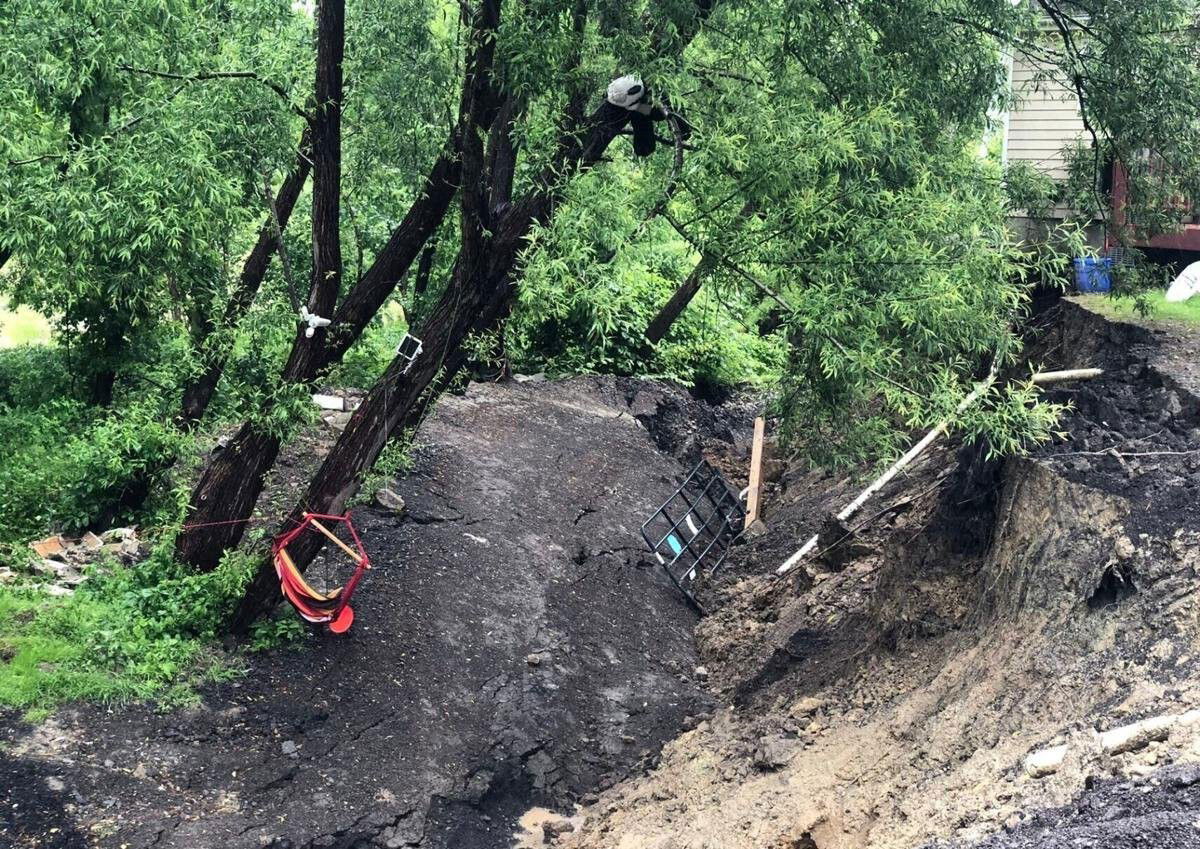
pixel 694 528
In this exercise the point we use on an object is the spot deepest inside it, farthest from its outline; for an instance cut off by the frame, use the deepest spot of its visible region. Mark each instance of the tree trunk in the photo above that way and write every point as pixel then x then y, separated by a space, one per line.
pixel 398 399
pixel 5 253
pixel 198 393
pixel 232 482
pixel 471 303
pixel 674 308
pixel 397 256
pixel 104 357
pixel 100 386
pixel 424 267
pixel 230 486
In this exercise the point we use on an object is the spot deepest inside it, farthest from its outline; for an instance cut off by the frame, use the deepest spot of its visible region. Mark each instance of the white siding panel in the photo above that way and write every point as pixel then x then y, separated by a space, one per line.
pixel 1044 120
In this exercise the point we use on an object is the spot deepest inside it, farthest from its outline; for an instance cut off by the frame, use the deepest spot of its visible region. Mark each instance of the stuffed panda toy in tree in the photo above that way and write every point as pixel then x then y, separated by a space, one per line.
pixel 629 93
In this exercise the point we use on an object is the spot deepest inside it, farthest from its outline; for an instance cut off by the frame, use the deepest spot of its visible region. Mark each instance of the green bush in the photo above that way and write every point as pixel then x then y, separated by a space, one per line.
pixel 127 633
pixel 590 291
pixel 33 375
pixel 65 464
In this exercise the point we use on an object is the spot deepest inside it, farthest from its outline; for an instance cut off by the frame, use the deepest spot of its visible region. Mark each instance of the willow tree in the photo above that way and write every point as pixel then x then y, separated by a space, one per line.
pixel 823 174
pixel 130 187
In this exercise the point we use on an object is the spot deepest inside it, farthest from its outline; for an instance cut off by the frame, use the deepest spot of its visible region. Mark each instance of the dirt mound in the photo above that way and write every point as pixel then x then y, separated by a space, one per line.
pixel 890 698
pixel 511 648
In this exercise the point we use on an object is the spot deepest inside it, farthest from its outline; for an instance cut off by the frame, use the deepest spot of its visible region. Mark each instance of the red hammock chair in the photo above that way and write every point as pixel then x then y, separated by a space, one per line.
pixel 333 606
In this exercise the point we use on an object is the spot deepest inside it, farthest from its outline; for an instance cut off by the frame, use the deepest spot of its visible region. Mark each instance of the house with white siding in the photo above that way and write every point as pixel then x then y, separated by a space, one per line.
pixel 1043 122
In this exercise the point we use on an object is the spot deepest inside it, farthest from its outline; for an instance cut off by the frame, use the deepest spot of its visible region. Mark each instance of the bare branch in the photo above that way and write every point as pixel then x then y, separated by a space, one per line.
pixel 221 75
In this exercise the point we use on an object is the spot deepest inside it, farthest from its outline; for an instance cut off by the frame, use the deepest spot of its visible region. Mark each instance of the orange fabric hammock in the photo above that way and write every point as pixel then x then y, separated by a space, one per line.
pixel 333 606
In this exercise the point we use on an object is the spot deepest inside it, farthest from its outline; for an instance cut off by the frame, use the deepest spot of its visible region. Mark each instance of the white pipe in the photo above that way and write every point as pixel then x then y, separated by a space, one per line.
pixel 1045 762
pixel 896 468
pixel 1115 741
pixel 1042 378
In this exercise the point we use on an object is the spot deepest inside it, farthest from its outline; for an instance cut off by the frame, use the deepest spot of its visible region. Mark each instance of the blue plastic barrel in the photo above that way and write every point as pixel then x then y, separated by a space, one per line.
pixel 1093 274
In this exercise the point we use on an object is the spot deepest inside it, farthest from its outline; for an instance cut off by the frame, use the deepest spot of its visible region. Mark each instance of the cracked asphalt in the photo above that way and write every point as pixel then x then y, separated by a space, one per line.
pixel 512 647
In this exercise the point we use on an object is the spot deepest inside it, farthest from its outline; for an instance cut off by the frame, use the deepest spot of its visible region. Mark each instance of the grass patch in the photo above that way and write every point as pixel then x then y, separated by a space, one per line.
pixel 128 634
pixel 1153 306
pixel 22 326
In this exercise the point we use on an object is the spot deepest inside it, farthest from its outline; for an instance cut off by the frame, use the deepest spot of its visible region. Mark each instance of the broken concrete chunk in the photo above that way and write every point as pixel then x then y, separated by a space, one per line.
pixel 338 421
pixel 389 499
pixel 90 542
pixel 772 753
pixel 330 402
pixel 49 547
pixel 533 659
pixel 116 535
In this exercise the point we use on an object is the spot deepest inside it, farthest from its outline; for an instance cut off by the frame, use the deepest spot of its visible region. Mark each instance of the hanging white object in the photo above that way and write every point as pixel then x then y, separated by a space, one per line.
pixel 409 349
pixel 313 321
pixel 1186 285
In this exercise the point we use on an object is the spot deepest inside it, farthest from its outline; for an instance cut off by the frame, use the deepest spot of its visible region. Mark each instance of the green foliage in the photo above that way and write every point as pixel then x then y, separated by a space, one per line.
pixel 1029 190
pixel 127 633
pixel 395 460
pixel 64 463
pixel 1133 67
pixel 589 292
pixel 130 188
pixel 366 361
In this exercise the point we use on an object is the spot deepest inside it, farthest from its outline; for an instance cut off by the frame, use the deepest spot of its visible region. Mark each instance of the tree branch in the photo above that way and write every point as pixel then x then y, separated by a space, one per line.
pixel 220 75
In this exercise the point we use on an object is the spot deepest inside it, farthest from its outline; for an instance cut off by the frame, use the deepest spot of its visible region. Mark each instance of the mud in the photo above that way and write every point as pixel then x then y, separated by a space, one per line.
pixel 888 698
pixel 520 672
pixel 511 648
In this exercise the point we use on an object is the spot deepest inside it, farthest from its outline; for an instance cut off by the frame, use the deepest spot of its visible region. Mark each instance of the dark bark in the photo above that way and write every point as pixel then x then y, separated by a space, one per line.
pixel 424 267
pixel 405 243
pixel 661 324
pixel 198 393
pixel 471 302
pixel 100 386
pixel 228 473
pixel 502 158
pixel 105 347
pixel 673 308
pixel 5 253
pixel 232 482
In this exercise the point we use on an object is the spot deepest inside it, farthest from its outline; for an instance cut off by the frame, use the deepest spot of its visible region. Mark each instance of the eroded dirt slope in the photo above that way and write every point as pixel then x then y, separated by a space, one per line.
pixel 888 695
pixel 510 649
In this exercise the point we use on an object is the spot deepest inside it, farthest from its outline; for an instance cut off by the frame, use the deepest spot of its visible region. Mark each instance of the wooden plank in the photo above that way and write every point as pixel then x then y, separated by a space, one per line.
pixel 354 555
pixel 756 458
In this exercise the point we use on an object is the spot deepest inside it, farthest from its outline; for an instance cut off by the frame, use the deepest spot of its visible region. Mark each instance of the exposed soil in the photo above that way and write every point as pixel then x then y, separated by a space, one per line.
pixel 517 663
pixel 511 648
pixel 888 694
